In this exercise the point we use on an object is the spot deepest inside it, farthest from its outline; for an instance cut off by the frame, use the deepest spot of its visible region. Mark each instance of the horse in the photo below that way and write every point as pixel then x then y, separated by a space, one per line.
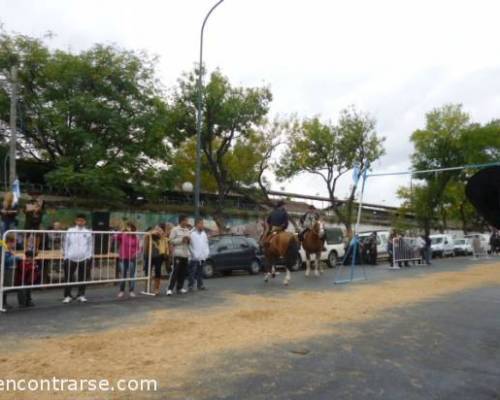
pixel 279 247
pixel 313 244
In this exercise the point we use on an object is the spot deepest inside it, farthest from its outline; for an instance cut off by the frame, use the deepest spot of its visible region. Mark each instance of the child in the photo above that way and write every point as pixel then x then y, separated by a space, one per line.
pixel 11 261
pixel 27 274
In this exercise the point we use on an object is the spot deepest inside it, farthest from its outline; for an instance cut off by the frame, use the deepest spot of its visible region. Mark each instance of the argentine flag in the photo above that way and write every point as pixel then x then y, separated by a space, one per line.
pixel 16 190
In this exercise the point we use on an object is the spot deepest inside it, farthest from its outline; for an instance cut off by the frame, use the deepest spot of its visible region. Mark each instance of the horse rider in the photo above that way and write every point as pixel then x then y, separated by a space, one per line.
pixel 278 219
pixel 308 220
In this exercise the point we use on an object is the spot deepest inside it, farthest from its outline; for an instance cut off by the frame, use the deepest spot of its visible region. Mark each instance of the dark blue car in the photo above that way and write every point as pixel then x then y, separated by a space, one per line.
pixel 233 252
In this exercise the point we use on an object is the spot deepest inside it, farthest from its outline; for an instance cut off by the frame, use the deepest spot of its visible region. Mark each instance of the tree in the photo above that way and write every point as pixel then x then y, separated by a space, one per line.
pixel 417 200
pixel 231 116
pixel 330 151
pixel 97 117
pixel 450 140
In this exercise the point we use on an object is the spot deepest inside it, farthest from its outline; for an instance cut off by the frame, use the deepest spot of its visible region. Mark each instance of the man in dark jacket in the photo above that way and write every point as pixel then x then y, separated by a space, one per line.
pixel 278 219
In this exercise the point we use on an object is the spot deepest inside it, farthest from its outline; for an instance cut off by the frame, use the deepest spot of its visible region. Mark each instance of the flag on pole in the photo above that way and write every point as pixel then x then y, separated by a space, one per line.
pixel 355 174
pixel 16 190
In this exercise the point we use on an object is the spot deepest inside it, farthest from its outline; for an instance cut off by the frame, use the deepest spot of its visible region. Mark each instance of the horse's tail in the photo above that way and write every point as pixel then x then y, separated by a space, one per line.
pixel 292 252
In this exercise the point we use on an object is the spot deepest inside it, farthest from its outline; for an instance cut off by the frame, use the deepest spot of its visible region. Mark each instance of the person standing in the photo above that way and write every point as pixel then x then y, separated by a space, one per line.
pixel 427 249
pixel 33 213
pixel 199 250
pixel 11 262
pixel 372 250
pixel 78 250
pixel 128 249
pixel 158 246
pixel 180 239
pixel 9 212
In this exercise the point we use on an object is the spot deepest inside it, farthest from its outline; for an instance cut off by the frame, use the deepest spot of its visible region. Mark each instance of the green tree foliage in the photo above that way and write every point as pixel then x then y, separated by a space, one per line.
pixel 98 117
pixel 231 115
pixel 449 140
pixel 330 151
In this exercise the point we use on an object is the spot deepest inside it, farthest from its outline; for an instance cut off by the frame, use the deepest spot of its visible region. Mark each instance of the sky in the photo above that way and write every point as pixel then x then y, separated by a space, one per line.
pixel 396 60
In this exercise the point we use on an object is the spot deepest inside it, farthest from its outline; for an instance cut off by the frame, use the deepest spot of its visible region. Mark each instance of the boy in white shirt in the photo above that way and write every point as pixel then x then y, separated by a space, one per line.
pixel 78 250
pixel 199 250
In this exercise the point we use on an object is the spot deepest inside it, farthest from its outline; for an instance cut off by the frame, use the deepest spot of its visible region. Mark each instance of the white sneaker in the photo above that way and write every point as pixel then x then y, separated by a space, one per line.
pixel 67 300
pixel 183 291
pixel 169 292
pixel 132 294
pixel 120 295
pixel 82 299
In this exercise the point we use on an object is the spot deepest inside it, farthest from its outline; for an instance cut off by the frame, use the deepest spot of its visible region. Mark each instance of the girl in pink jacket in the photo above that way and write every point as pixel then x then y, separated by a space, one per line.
pixel 129 248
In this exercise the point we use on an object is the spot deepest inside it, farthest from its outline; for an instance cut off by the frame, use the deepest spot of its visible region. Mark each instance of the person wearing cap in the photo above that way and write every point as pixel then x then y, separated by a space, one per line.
pixel 278 219
pixel 308 220
pixel 78 250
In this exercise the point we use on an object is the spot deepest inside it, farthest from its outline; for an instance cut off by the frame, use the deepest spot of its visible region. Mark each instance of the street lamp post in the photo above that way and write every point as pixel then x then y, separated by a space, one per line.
pixel 199 117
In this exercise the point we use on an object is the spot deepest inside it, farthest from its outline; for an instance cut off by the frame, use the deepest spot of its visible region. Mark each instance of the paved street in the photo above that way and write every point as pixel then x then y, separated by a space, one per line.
pixel 446 347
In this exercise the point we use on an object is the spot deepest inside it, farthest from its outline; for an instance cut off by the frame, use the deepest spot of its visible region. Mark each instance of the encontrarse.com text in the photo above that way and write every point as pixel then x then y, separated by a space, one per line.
pixel 78 385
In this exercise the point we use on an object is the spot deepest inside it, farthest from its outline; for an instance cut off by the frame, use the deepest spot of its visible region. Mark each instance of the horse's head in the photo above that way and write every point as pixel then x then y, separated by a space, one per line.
pixel 319 228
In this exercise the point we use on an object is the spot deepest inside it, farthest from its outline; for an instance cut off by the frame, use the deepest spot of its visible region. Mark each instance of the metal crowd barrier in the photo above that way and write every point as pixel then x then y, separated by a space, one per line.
pixel 478 250
pixel 42 259
pixel 406 249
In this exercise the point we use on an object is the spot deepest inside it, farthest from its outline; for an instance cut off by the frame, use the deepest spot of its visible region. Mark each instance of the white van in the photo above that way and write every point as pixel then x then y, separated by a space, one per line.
pixel 334 245
pixel 442 245
pixel 382 240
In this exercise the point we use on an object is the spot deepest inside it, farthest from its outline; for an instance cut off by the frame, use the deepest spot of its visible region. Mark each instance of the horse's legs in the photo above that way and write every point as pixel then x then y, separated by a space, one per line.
pixel 318 261
pixel 267 270
pixel 316 265
pixel 308 263
pixel 287 277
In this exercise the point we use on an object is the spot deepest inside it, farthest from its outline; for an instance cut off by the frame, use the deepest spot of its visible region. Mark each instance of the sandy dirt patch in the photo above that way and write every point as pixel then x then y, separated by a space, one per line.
pixel 177 345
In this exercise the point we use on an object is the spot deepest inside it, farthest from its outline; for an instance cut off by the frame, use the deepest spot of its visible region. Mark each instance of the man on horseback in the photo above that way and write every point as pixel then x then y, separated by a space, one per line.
pixel 279 247
pixel 308 220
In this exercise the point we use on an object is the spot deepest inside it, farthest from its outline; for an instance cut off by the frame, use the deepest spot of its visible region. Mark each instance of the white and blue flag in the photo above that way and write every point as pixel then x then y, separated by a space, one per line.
pixel 16 190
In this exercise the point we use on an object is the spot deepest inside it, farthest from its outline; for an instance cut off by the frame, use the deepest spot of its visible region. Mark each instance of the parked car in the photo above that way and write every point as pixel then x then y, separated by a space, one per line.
pixel 462 247
pixel 334 245
pixel 233 252
pixel 382 240
pixel 442 245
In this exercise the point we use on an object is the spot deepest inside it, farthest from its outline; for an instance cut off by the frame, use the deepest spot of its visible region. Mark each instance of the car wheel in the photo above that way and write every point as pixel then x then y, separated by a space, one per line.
pixel 298 264
pixel 208 270
pixel 254 267
pixel 332 259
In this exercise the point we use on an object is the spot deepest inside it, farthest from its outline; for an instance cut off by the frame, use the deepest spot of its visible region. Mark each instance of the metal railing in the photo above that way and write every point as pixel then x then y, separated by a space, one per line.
pixel 40 259
pixel 405 250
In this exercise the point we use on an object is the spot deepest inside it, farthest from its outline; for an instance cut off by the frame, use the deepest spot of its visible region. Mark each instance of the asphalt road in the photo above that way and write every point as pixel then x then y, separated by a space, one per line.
pixel 447 348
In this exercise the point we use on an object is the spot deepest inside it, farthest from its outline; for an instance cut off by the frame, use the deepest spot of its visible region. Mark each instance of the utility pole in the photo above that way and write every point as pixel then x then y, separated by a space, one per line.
pixel 199 117
pixel 13 127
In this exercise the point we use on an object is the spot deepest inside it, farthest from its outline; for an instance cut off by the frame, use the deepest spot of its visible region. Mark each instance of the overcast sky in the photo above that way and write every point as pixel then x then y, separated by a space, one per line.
pixel 394 59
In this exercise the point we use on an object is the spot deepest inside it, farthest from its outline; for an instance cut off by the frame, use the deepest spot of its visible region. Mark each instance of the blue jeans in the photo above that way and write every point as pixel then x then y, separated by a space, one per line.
pixel 126 266
pixel 195 274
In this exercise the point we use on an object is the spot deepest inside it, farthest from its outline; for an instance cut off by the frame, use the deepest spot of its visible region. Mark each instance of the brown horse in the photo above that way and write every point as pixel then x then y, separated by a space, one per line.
pixel 279 248
pixel 313 244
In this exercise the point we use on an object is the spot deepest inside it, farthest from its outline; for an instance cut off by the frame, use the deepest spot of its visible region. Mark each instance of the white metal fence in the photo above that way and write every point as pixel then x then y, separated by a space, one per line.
pixel 39 259
pixel 479 249
pixel 405 250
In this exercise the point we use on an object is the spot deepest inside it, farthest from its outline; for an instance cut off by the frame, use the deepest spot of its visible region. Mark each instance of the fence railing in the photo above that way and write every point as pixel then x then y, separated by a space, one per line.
pixel 479 249
pixel 37 259
pixel 406 249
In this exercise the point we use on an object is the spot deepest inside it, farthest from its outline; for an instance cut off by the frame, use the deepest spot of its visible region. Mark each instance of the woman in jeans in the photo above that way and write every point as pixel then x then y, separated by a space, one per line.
pixel 128 249
pixel 156 250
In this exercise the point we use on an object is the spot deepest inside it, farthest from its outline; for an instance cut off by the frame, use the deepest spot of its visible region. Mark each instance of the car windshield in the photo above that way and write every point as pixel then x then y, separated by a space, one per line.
pixel 460 241
pixel 436 240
